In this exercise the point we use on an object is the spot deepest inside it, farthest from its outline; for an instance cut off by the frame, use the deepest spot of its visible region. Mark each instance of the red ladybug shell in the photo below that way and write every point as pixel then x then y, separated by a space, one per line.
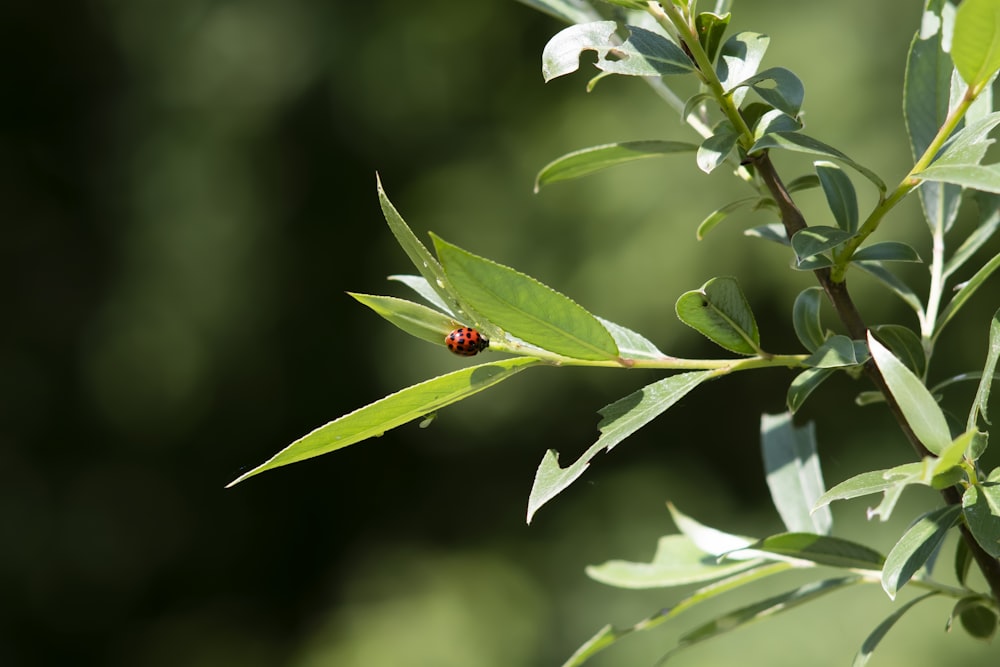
pixel 466 342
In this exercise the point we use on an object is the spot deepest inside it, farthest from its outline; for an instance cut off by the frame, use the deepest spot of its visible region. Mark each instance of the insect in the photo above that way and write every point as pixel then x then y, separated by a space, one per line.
pixel 466 341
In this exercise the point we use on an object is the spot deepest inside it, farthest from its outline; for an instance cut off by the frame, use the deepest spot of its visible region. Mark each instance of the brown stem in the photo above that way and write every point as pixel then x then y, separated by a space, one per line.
pixel 848 313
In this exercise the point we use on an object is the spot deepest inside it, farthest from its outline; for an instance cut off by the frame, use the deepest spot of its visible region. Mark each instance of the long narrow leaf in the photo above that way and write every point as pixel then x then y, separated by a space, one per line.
pixel 394 410
pixel 964 294
pixel 620 420
pixel 761 610
pixel 980 405
pixel 916 546
pixel 872 641
pixel 793 473
pixel 590 160
pixel 922 412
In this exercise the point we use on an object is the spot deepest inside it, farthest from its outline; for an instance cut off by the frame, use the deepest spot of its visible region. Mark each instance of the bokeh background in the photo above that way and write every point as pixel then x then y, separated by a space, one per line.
pixel 188 190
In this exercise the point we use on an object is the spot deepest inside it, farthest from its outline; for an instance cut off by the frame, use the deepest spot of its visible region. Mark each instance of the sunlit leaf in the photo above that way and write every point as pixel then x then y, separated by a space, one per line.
pixel 926 101
pixel 981 505
pixel 793 473
pixel 714 150
pixel 642 53
pixel 525 307
pixel 821 550
pixel 775 121
pixel 976 45
pixel 394 410
pixel 814 240
pixel 589 160
pixel 874 481
pixel 413 318
pixel 711 27
pixel 677 562
pixel 974 176
pixel 918 406
pixel 719 311
pixel 420 285
pixel 738 61
pixel 989 214
pixel 569 11
pixel 620 420
pixel 710 540
pixel 631 345
pixel 916 546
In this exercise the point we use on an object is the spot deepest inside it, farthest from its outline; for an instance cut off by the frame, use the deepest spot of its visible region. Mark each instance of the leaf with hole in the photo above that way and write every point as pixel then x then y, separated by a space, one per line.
pixel 720 312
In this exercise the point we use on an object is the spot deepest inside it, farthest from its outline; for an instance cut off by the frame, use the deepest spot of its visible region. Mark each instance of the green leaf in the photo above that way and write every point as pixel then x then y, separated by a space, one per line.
pixel 916 546
pixel 720 312
pixel 643 53
pixel 837 352
pixel 840 195
pixel 568 11
pixel 963 561
pixel 821 550
pixel 801 143
pixel 872 641
pixel 968 146
pixel 887 251
pixel 965 293
pixel 677 562
pixel 413 318
pixel 589 160
pixel 806 318
pixel 775 121
pixel 979 406
pixel 976 46
pixel 874 481
pixel 918 406
pixel 420 285
pixel 978 618
pixel 774 232
pixel 974 176
pixel 814 240
pixel 631 345
pixel 761 610
pixel 803 385
pixel 898 287
pixel 608 635
pixel 422 259
pixel 620 420
pixel 905 345
pixel 981 505
pixel 525 307
pixel 714 150
pixel 720 214
pixel 738 61
pixel 793 473
pixel 711 27
pixel 394 410
pixel 926 100
pixel 784 92
pixel 989 220
pixel 710 540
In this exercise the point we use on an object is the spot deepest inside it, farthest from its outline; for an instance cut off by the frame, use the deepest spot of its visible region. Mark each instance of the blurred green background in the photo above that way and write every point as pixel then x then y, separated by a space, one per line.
pixel 187 191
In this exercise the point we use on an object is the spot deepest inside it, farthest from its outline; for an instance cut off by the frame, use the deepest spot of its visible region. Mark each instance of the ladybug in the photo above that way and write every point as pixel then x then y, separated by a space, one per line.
pixel 466 341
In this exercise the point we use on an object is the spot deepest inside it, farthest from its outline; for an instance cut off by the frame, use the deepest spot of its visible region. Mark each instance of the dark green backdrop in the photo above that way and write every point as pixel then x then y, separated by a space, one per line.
pixel 187 189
